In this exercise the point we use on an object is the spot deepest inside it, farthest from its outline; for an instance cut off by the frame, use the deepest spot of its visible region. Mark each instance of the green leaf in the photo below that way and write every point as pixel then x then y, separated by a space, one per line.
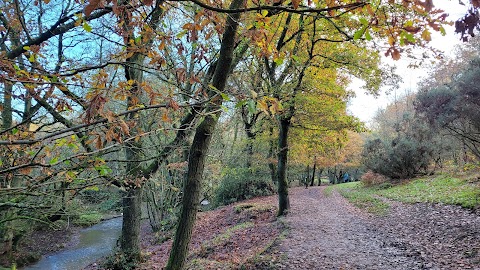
pixel 181 34
pixel 278 61
pixel 442 31
pixel 87 27
pixel 367 35
pixel 103 170
pixel 1 162
pixel 359 33
pixel 240 104
pixel 26 48
pixel 251 106
pixel 67 162
pixel 14 131
pixel 31 59
pixel 53 160
pixel 225 96
pixel 410 37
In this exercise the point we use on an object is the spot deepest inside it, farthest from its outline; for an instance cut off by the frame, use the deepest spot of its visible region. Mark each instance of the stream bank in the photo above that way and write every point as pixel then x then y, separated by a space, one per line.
pixel 90 244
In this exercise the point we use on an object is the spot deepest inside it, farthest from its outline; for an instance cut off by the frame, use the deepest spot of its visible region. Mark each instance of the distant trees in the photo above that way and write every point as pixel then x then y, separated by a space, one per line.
pixel 439 125
pixel 455 107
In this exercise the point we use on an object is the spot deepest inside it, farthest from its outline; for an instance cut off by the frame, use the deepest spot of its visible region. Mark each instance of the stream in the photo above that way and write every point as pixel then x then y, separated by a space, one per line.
pixel 95 242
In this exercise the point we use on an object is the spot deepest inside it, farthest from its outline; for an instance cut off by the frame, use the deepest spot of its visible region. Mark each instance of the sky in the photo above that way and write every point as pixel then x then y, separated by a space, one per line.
pixel 365 106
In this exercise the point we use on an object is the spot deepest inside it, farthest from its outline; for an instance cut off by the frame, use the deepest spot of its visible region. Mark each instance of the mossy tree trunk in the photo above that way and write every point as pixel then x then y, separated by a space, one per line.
pixel 282 182
pixel 200 145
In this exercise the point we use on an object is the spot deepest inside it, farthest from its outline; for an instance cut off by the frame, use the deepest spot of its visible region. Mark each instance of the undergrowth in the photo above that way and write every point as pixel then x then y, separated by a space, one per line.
pixel 440 189
pixel 444 189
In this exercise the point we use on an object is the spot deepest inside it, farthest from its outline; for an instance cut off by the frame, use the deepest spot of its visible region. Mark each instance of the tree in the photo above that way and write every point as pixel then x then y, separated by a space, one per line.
pixel 75 84
pixel 454 107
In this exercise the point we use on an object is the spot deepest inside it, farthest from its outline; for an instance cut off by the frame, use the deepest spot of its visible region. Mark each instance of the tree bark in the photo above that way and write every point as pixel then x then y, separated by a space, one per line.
pixel 283 200
pixel 320 171
pixel 198 151
pixel 130 239
pixel 7 106
pixel 312 182
pixel 271 164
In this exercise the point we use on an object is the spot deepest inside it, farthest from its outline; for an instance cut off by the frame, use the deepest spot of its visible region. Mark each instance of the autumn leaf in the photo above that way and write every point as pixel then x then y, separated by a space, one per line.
pixel 124 127
pixel 426 35
pixel 173 104
pixel 395 54
pixel 148 2
pixel 92 5
pixel 165 117
pixel 99 143
pixel 295 3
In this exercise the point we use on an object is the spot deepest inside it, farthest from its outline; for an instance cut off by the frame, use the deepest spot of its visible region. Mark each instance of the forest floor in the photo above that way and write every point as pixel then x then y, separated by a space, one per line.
pixel 321 231
pixel 327 232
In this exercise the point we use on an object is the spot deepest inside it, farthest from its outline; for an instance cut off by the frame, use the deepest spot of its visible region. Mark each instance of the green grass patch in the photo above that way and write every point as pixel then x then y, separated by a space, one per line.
pixel 436 189
pixel 88 219
pixel 228 233
pixel 252 208
pixel 361 197
pixel 439 189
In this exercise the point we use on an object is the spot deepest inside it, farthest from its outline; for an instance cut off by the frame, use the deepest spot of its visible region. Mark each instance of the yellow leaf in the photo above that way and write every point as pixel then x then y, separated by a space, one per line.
pixel 426 35
pixel 262 105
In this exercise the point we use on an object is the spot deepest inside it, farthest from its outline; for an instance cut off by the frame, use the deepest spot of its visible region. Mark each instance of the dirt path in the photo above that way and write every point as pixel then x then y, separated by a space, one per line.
pixel 329 233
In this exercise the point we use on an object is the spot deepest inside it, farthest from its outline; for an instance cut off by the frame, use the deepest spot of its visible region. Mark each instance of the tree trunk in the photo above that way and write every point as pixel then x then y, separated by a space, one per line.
pixel 198 151
pixel 130 239
pixel 320 177
pixel 7 118
pixel 249 146
pixel 271 164
pixel 313 173
pixel 307 177
pixel 283 200
pixel 191 192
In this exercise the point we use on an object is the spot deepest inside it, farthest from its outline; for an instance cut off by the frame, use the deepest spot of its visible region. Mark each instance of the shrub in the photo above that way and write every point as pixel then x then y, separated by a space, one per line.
pixel 372 179
pixel 241 184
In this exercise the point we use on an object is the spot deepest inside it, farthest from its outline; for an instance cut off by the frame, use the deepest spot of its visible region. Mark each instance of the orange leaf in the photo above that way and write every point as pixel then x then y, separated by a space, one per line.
pixel 295 3
pixel 173 104
pixel 92 5
pixel 99 142
pixel 124 127
pixel 165 117
pixel 395 54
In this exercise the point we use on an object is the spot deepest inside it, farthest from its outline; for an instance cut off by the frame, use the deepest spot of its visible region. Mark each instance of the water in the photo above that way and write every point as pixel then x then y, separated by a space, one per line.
pixel 95 242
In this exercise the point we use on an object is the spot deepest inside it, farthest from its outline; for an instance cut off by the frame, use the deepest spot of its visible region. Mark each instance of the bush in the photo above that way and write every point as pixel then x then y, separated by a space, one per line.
pixel 372 179
pixel 241 184
pixel 405 154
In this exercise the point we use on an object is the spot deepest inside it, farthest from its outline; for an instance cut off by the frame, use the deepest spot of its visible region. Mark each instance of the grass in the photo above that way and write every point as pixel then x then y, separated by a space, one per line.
pixel 228 233
pixel 88 219
pixel 440 189
pixel 252 208
pixel 436 189
pixel 361 197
